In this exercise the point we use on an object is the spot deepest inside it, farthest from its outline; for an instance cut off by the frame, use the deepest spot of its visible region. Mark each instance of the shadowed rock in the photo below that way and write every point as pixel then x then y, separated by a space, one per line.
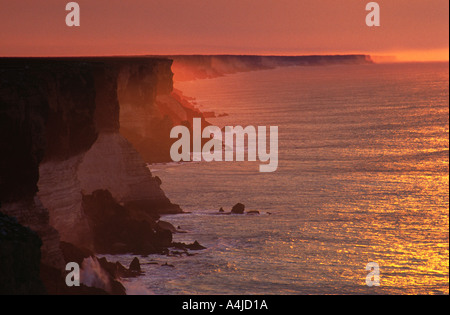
pixel 167 226
pixel 116 231
pixel 194 246
pixel 238 208
pixel 135 265
pixel 20 258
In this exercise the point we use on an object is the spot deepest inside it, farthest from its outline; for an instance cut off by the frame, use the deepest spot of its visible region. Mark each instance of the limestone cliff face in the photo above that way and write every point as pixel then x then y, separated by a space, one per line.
pixel 60 134
pixel 140 121
pixel 47 111
pixel 60 192
pixel 41 117
pixel 149 109
pixel 113 164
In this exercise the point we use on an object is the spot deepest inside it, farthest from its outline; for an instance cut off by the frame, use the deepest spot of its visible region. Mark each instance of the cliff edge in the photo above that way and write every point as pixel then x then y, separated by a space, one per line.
pixel 60 134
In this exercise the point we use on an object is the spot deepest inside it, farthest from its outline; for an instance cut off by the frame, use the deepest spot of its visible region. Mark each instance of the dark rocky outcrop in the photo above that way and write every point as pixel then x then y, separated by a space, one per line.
pixel 238 208
pixel 117 270
pixel 20 259
pixel 76 254
pixel 163 225
pixel 135 265
pixel 115 230
pixel 194 246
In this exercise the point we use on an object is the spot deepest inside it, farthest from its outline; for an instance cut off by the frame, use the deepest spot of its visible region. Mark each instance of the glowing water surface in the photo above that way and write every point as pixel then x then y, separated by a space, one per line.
pixel 363 177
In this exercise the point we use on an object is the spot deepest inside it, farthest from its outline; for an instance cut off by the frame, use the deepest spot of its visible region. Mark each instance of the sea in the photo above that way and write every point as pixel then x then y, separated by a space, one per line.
pixel 363 177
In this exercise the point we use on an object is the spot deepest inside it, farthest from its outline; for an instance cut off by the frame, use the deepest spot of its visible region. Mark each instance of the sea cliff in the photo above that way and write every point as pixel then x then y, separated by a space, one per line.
pixel 76 136
pixel 192 67
pixel 60 133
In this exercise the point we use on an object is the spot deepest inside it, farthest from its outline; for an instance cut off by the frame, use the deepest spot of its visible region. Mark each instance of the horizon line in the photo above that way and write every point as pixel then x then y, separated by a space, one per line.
pixel 375 58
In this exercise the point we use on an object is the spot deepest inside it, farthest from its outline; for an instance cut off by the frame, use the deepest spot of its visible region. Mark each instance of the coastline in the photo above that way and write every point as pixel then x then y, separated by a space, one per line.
pixel 85 116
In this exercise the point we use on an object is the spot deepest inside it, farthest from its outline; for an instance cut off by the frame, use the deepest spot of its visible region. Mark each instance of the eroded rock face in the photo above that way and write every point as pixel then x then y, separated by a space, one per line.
pixel 116 230
pixel 46 112
pixel 113 164
pixel 60 192
pixel 141 122
pixel 150 108
pixel 58 118
pixel 32 214
pixel 110 162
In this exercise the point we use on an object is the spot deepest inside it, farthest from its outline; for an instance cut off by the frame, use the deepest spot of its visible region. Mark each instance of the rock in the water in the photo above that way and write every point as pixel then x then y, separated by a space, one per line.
pixel 238 208
pixel 168 265
pixel 253 212
pixel 221 210
pixel 135 265
pixel 117 270
pixel 193 246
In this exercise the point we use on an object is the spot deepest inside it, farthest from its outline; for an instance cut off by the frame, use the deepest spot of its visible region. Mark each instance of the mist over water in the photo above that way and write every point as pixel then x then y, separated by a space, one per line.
pixel 362 177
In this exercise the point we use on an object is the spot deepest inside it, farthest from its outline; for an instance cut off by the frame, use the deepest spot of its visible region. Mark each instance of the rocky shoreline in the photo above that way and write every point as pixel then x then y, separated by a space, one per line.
pixel 77 134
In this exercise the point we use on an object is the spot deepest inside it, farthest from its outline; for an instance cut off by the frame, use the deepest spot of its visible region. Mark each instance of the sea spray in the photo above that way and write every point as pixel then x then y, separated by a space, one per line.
pixel 92 274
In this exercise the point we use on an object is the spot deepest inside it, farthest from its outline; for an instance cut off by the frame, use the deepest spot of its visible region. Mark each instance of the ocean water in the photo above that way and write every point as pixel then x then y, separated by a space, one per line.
pixel 363 177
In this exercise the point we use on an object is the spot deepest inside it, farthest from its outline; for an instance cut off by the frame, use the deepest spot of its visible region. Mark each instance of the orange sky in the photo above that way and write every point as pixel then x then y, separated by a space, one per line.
pixel 410 29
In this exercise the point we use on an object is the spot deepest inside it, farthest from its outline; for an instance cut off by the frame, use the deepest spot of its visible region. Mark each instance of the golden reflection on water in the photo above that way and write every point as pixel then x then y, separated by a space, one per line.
pixel 362 178
pixel 407 231
pixel 399 218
